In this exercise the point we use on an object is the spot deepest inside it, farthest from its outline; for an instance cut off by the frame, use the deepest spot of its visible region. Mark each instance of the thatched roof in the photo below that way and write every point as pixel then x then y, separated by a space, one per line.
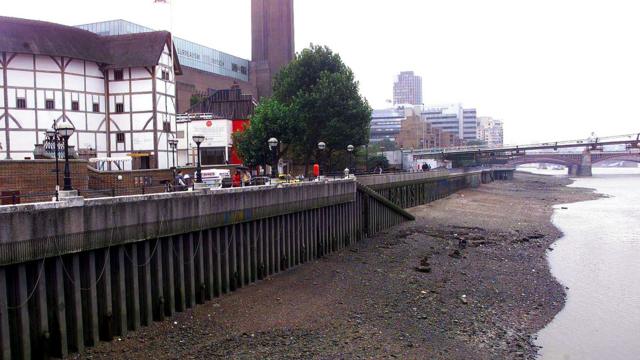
pixel 45 38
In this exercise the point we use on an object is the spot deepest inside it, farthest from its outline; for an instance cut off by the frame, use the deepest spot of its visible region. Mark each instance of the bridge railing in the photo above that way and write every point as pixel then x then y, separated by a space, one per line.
pixel 632 138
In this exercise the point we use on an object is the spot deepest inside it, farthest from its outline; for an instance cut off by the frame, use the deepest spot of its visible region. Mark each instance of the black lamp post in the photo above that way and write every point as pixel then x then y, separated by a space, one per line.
pixel 321 147
pixel 273 148
pixel 173 144
pixel 198 139
pixel 350 150
pixel 65 130
pixel 401 159
pixel 366 158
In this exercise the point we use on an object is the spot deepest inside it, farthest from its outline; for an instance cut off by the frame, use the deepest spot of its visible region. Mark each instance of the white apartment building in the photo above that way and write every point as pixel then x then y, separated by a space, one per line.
pixel 452 118
pixel 490 130
pixel 117 91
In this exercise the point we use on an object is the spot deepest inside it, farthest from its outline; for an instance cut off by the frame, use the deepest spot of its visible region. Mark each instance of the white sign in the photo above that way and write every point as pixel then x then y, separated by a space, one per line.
pixel 217 132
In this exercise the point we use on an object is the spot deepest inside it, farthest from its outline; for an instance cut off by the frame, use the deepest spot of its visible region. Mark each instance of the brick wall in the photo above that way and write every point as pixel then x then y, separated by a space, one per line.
pixel 106 183
pixel 35 180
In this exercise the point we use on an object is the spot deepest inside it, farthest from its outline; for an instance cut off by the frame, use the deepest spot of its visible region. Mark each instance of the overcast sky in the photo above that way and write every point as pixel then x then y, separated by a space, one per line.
pixel 551 69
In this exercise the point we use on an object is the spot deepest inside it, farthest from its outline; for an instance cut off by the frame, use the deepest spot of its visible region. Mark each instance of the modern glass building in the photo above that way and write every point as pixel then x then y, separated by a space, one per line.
pixel 190 54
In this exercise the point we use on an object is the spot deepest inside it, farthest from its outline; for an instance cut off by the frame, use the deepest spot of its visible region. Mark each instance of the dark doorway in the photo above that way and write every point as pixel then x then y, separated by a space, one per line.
pixel 212 155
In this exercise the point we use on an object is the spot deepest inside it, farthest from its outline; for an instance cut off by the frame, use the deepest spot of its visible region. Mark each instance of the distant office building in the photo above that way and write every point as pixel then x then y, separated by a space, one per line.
pixel 405 126
pixel 490 131
pixel 469 124
pixel 417 133
pixel 453 119
pixel 385 124
pixel 407 89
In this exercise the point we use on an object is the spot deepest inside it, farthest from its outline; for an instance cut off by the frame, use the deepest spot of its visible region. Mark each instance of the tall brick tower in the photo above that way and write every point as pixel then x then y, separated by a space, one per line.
pixel 272 41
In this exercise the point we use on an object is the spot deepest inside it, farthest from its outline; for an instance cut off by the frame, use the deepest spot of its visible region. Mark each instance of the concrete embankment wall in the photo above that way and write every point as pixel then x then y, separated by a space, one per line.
pixel 72 274
pixel 413 189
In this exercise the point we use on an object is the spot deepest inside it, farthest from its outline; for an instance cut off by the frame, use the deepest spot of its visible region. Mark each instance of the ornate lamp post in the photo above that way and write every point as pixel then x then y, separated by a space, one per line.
pixel 321 147
pixel 65 130
pixel 273 148
pixel 198 139
pixel 350 150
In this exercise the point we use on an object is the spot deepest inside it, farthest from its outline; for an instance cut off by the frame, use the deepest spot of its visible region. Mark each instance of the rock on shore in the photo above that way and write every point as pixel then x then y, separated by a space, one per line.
pixel 467 279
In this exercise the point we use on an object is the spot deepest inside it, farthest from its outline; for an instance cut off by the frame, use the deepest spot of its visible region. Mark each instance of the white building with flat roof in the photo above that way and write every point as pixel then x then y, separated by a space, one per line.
pixel 452 118
pixel 490 130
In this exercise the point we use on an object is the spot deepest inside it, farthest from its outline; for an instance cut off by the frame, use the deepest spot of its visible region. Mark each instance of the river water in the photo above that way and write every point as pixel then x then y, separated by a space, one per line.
pixel 598 259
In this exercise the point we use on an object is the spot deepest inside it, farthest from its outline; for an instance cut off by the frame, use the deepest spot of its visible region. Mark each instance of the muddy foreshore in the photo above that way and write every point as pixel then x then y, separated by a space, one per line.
pixel 467 279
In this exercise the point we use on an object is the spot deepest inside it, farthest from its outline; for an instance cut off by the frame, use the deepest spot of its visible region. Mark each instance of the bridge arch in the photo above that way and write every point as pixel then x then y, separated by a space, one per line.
pixel 537 160
pixel 634 157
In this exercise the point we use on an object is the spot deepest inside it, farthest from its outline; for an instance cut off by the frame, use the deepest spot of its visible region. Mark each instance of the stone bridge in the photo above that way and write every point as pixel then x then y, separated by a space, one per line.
pixel 579 164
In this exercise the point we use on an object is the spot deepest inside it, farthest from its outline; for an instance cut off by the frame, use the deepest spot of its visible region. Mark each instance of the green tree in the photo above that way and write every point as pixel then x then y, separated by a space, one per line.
pixel 323 97
pixel 196 98
pixel 377 160
pixel 315 98
pixel 270 119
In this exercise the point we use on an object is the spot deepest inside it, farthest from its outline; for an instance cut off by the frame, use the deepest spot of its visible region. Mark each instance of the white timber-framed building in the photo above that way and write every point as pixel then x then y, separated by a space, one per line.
pixel 118 91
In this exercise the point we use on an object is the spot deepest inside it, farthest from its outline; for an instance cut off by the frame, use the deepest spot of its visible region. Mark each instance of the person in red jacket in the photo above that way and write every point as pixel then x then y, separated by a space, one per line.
pixel 236 179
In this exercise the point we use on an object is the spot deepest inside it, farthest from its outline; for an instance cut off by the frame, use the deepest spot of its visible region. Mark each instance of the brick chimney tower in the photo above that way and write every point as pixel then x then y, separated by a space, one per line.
pixel 272 41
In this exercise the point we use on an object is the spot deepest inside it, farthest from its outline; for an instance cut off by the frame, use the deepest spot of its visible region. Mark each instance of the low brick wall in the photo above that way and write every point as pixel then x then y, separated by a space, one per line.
pixel 28 181
pixel 135 182
pixel 35 180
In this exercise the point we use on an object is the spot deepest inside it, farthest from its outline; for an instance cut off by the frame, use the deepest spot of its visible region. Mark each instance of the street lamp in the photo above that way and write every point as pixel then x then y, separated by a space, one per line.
pixel 273 148
pixel 198 139
pixel 65 130
pixel 350 150
pixel 321 147
pixel 173 144
pixel 401 159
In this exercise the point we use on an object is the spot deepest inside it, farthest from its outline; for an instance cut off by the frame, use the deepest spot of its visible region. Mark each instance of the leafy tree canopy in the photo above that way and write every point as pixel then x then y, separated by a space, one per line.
pixel 270 119
pixel 315 98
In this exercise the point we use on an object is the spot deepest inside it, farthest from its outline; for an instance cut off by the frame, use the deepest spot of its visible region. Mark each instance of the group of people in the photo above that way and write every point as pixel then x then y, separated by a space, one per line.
pixel 240 178
pixel 182 182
